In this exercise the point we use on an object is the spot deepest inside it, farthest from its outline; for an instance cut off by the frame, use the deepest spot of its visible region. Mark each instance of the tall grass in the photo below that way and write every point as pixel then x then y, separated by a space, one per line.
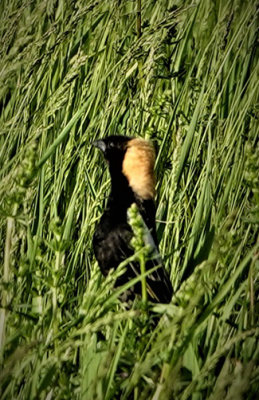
pixel 187 79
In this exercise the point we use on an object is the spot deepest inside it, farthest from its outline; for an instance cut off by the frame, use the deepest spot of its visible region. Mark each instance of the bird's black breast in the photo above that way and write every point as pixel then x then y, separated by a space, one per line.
pixel 111 243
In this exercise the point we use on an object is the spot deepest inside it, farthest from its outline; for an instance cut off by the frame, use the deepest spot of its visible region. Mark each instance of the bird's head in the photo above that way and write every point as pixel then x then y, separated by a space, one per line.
pixel 134 158
pixel 112 147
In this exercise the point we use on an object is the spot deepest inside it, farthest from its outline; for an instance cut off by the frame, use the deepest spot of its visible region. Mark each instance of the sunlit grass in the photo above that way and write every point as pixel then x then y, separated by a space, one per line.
pixel 71 72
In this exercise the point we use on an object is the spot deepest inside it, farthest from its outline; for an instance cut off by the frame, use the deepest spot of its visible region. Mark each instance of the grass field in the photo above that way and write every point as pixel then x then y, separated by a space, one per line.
pixel 183 74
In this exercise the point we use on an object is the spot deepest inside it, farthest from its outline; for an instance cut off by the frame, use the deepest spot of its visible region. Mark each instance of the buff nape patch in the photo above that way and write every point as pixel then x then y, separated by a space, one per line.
pixel 138 167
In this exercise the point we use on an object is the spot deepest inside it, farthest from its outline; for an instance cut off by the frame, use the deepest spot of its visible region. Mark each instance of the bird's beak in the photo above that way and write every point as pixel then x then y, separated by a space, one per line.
pixel 100 144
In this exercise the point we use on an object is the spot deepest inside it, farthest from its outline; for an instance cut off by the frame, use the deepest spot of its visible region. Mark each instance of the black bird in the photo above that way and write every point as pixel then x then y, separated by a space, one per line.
pixel 131 165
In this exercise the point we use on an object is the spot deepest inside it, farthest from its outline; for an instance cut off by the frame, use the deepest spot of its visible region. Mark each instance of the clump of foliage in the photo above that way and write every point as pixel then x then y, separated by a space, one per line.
pixel 186 78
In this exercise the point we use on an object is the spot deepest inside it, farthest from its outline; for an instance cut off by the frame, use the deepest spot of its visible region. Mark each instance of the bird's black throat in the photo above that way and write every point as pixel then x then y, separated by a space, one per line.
pixel 121 196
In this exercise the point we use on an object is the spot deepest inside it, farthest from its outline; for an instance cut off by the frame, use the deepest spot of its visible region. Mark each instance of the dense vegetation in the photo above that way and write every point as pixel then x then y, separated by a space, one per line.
pixel 184 75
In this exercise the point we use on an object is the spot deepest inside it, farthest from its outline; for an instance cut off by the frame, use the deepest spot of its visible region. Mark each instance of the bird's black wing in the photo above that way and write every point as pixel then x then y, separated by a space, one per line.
pixel 158 282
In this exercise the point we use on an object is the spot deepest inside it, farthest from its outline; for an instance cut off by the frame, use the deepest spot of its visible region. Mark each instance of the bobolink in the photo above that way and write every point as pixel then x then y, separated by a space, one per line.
pixel 131 165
